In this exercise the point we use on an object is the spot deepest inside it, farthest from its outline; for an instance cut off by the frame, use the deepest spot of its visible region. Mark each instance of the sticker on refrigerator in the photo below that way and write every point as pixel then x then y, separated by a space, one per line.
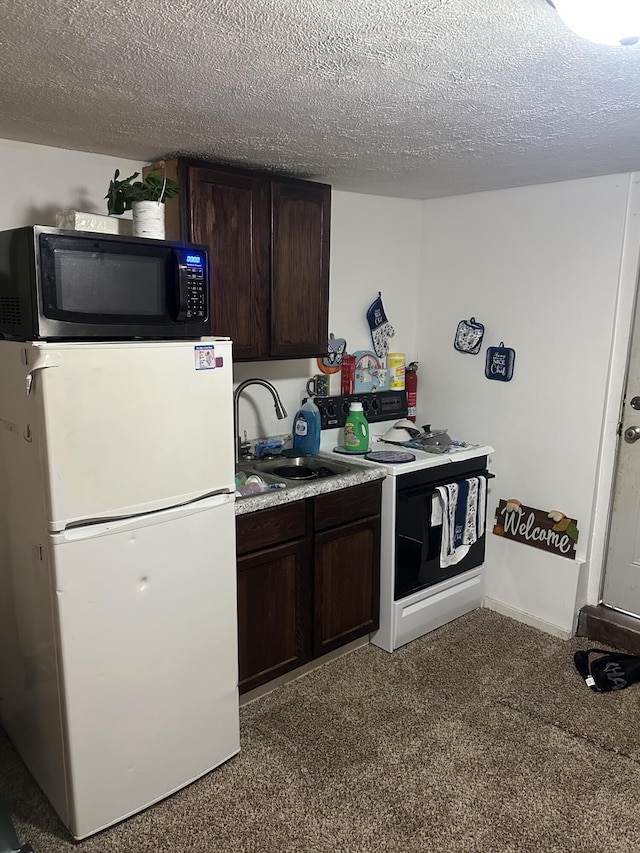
pixel 205 357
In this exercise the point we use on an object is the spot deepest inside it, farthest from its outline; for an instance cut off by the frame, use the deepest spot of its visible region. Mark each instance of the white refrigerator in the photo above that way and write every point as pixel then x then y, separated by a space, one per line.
pixel 118 638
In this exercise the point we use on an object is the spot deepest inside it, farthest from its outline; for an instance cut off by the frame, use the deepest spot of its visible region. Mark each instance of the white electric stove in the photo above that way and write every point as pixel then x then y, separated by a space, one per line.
pixel 417 595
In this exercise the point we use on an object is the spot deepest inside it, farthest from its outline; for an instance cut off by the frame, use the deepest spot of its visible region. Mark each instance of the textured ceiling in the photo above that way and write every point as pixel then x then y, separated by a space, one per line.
pixel 414 98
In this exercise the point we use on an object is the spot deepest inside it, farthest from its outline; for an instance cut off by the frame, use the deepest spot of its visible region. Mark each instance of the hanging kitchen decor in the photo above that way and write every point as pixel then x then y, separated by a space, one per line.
pixel 500 362
pixel 468 338
pixel 370 372
pixel 332 361
pixel 551 531
pixel 381 328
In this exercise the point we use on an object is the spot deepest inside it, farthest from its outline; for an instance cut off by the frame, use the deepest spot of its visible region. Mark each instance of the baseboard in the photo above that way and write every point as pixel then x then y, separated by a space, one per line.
pixel 527 618
pixel 263 689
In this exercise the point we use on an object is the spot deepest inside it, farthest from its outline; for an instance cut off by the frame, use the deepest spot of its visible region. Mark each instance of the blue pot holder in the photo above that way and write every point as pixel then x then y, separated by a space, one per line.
pixel 500 363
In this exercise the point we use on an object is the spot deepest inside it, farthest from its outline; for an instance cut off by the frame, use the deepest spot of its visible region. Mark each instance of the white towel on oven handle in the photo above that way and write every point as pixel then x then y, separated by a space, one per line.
pixel 436 510
pixel 463 517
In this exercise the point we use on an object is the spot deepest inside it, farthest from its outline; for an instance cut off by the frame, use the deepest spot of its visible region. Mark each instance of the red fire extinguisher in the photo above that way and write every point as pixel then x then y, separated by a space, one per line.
pixel 411 387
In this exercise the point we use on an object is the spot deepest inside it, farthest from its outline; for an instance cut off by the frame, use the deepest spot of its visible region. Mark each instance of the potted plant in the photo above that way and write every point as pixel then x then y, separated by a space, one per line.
pixel 145 198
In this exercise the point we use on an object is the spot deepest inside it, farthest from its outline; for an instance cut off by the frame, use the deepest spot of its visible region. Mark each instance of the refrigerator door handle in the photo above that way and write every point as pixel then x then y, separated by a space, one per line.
pixel 43 360
pixel 91 531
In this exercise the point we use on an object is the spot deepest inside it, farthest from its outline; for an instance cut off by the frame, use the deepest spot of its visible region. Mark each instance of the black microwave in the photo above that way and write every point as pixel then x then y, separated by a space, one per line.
pixel 79 285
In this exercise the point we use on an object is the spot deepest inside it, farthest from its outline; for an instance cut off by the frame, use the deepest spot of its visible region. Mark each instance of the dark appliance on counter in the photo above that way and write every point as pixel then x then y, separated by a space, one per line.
pixel 79 285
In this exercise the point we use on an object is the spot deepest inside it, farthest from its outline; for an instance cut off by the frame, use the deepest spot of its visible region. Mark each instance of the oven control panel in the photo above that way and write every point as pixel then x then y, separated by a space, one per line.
pixel 377 406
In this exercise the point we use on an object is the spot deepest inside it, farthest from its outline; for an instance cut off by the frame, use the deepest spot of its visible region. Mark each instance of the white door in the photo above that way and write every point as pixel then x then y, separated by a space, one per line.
pixel 622 571
pixel 129 428
pixel 147 622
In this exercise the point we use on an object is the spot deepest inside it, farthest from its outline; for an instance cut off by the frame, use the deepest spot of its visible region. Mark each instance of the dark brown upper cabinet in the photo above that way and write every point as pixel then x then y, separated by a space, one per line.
pixel 268 238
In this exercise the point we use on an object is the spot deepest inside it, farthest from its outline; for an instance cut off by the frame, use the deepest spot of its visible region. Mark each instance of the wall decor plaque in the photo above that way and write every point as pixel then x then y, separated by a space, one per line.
pixel 500 363
pixel 551 531
pixel 370 372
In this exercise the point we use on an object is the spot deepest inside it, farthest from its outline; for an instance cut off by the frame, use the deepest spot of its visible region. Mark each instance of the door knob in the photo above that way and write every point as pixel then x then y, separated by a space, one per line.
pixel 635 403
pixel 632 434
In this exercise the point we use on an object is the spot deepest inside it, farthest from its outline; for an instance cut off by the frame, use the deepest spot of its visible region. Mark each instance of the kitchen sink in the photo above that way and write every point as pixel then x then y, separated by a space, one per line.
pixel 243 468
pixel 299 467
pixel 292 471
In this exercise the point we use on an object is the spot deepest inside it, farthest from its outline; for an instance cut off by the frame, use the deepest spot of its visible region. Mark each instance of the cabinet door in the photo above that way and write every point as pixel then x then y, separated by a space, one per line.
pixel 274 605
pixel 299 268
pixel 346 584
pixel 230 213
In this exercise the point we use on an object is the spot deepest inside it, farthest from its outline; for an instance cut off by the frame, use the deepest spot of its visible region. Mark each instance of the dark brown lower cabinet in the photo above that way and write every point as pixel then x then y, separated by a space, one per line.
pixel 308 580
pixel 274 594
pixel 346 584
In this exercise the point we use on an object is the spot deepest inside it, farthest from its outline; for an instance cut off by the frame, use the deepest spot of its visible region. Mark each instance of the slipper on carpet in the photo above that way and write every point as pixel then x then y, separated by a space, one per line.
pixel 604 671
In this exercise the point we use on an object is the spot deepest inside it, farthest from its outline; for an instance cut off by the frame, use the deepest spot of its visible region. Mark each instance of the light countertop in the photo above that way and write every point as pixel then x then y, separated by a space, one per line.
pixel 359 474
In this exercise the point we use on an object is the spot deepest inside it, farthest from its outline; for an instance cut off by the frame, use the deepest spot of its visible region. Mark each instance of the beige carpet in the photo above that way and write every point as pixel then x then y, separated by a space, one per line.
pixel 479 737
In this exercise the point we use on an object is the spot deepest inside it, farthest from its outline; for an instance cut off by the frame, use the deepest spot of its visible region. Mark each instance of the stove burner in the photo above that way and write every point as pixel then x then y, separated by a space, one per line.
pixel 390 457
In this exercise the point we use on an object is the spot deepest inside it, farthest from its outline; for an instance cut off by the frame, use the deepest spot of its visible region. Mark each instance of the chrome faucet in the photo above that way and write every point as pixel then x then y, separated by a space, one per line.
pixel 281 412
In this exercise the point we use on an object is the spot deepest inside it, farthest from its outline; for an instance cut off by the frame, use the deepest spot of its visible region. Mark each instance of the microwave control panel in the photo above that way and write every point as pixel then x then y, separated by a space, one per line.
pixel 193 270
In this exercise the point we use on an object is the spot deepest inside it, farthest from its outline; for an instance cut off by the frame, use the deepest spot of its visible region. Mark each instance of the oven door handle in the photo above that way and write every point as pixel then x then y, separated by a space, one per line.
pixel 416 492
pixel 428 489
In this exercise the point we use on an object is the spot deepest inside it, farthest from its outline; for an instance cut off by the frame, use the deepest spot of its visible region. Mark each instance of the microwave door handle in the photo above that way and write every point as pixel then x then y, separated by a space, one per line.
pixel 43 360
pixel 180 285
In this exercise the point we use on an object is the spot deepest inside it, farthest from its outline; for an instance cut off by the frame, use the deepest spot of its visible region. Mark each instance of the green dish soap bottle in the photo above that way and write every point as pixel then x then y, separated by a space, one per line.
pixel 356 430
pixel 306 428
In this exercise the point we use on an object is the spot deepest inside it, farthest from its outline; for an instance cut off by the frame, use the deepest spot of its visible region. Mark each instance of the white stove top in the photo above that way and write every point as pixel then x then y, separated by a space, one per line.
pixel 333 438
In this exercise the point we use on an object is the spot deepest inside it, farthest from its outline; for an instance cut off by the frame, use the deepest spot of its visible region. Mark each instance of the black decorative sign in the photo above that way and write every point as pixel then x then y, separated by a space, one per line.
pixel 551 531
pixel 500 362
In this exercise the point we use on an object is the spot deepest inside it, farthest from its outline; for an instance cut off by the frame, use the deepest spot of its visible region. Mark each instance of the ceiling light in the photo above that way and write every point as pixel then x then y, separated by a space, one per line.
pixel 615 22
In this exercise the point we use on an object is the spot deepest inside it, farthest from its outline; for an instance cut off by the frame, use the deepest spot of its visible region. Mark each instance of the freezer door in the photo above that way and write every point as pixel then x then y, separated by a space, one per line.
pixel 129 428
pixel 146 613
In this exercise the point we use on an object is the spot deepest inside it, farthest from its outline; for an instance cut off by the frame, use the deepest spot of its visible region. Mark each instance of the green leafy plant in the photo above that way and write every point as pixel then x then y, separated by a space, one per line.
pixel 123 193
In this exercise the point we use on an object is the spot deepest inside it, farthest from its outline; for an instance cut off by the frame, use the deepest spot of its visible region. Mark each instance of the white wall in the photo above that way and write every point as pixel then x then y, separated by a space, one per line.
pixel 375 246
pixel 539 266
pixel 38 182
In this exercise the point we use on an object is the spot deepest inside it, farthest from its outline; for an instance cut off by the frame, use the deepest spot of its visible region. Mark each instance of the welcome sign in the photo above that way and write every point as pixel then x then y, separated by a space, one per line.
pixel 551 531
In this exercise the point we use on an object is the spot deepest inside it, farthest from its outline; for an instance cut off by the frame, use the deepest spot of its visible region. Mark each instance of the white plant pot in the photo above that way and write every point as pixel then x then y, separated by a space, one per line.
pixel 148 219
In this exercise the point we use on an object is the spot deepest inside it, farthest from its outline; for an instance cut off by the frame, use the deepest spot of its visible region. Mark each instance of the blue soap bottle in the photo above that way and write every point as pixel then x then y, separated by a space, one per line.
pixel 306 428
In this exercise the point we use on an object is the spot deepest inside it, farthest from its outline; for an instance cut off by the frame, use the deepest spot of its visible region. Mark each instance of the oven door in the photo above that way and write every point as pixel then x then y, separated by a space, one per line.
pixel 112 287
pixel 419 541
